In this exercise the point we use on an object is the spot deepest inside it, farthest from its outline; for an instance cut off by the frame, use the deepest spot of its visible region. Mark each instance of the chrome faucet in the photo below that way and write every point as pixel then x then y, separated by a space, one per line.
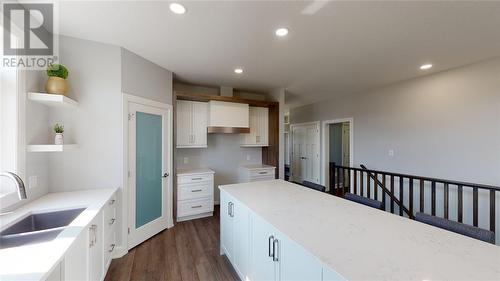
pixel 21 190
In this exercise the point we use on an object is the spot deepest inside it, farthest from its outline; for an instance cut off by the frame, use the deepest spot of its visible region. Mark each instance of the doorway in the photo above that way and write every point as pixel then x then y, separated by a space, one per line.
pixel 149 166
pixel 305 152
pixel 337 146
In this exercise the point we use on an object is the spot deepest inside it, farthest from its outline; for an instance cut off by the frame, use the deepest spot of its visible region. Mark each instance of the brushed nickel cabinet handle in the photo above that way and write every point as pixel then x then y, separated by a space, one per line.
pixel 276 249
pixel 112 248
pixel 196 190
pixel 112 221
pixel 270 249
pixel 195 207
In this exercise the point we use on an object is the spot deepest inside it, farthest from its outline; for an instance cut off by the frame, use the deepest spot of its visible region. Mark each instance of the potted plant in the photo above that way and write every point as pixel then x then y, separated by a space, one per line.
pixel 59 130
pixel 56 84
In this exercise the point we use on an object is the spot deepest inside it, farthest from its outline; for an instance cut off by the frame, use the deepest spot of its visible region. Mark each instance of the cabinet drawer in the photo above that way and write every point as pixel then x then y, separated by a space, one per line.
pixel 194 191
pixel 262 173
pixel 196 206
pixel 194 178
pixel 264 178
pixel 109 215
pixel 109 247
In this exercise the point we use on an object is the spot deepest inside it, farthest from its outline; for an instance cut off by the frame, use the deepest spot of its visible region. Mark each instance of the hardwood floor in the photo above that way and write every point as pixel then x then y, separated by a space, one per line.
pixel 188 251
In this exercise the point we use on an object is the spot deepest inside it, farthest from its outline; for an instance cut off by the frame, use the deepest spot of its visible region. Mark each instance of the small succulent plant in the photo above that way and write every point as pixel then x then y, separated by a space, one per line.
pixel 58 128
pixel 57 70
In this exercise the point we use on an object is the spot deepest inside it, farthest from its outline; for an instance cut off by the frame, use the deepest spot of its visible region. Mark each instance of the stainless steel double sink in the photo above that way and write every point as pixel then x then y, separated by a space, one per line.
pixel 37 228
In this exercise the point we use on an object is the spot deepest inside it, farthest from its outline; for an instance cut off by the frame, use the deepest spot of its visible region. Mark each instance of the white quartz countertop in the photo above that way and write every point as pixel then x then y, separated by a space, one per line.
pixel 362 243
pixel 36 261
pixel 192 171
pixel 256 166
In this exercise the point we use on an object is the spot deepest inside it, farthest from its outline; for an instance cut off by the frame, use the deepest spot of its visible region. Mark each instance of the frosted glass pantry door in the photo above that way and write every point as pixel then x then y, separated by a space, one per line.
pixel 148 171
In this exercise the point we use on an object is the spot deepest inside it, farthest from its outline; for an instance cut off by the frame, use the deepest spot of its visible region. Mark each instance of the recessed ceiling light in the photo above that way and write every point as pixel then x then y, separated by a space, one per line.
pixel 281 32
pixel 177 8
pixel 426 66
pixel 238 70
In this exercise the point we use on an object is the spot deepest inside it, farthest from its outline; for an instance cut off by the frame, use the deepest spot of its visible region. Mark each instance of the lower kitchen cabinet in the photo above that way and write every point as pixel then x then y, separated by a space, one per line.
pixel 90 254
pixel 258 251
pixel 234 233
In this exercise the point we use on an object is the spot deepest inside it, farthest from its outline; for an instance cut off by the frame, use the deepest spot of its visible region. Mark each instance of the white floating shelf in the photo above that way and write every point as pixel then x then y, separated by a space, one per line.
pixel 52 99
pixel 51 147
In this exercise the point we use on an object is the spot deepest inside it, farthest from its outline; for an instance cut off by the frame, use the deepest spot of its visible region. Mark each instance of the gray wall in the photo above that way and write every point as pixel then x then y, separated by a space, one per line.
pixel 224 155
pixel 445 125
pixel 141 77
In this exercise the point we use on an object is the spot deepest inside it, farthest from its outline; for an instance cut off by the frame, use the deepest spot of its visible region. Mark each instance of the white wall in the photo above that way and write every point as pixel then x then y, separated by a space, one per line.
pixel 224 155
pixel 445 125
pixel 98 75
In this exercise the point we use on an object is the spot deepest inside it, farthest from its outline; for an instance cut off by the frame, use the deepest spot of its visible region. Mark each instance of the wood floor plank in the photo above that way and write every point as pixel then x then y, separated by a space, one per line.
pixel 187 252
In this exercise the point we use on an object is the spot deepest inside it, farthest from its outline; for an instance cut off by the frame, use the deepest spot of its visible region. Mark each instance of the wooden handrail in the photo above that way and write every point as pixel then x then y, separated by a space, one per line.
pixel 386 191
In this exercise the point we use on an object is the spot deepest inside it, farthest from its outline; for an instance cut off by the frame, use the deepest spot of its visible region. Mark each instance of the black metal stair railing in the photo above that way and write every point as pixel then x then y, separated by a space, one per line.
pixel 397 191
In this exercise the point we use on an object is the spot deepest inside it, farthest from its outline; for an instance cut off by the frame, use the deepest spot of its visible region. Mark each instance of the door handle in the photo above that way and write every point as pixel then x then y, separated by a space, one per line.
pixel 165 175
pixel 270 249
pixel 303 158
pixel 276 249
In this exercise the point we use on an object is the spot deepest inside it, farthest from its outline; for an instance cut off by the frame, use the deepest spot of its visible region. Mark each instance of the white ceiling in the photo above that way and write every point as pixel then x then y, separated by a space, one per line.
pixel 333 48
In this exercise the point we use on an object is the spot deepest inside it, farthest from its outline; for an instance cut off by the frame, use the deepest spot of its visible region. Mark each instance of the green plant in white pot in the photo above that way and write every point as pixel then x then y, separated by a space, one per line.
pixel 59 130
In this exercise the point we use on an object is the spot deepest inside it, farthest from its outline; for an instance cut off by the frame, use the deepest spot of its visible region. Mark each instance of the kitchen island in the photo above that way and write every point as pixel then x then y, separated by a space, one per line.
pixel 277 230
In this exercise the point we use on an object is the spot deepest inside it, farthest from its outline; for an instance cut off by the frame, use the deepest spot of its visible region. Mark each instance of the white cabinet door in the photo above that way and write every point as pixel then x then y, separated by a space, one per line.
pixel 226 226
pixel 240 238
pixel 95 258
pixel 262 266
pixel 263 126
pixel 75 260
pixel 258 120
pixel 184 123
pixel 290 256
pixel 200 123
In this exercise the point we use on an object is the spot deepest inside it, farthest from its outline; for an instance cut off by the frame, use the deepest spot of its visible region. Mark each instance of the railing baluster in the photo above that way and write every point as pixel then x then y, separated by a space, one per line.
pixel 392 192
pixel 355 182
pixel 383 193
pixel 411 195
pixel 361 181
pixel 338 182
pixel 368 188
pixel 401 194
pixel 422 196
pixel 348 186
pixel 332 178
pixel 492 210
pixel 343 182
pixel 460 203
pixel 474 206
pixel 375 188
pixel 433 195
pixel 446 200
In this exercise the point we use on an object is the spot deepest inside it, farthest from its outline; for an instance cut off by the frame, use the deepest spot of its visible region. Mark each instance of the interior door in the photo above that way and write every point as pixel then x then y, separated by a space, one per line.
pixel 149 169
pixel 305 154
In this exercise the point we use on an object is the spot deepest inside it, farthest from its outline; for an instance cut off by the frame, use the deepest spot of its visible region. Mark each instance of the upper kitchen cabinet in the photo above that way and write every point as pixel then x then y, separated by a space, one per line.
pixel 192 124
pixel 259 126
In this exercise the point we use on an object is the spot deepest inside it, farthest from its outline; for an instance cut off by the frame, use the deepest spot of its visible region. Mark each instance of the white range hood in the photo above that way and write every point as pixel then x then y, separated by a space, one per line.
pixel 228 117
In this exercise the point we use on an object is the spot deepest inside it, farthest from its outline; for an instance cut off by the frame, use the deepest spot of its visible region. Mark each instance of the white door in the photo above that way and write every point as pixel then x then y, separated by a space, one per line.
pixel 149 163
pixel 291 255
pixel 200 123
pixel 262 266
pixel 226 226
pixel 305 153
pixel 184 123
